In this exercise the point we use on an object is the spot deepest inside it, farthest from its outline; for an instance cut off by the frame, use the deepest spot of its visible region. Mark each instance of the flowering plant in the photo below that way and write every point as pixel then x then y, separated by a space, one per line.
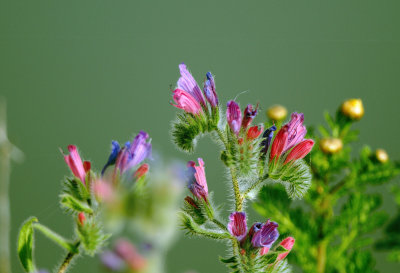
pixel 254 158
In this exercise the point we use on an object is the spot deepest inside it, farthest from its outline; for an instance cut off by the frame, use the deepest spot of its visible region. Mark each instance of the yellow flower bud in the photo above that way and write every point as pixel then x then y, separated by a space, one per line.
pixel 353 109
pixel 331 145
pixel 277 113
pixel 381 155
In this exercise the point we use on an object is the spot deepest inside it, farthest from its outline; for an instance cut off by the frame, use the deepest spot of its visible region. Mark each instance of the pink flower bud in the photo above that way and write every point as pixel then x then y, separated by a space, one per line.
pixel 81 218
pixel 300 150
pixel 279 143
pixel 186 102
pixel 254 132
pixel 141 171
pixel 288 244
pixel 237 225
pixel 234 116
pixel 75 163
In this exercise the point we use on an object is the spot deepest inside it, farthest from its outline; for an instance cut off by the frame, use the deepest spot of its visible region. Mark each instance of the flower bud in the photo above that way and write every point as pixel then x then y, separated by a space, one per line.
pixel 331 145
pixel 353 109
pixel 248 115
pixel 237 225
pixel 234 116
pixel 254 132
pixel 287 243
pixel 141 171
pixel 277 113
pixel 81 218
pixel 381 155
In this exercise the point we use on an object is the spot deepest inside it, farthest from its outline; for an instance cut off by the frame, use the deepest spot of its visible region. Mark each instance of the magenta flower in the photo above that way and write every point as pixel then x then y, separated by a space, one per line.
pixel 288 244
pixel 264 235
pixel 186 102
pixel 187 83
pixel 133 153
pixel 289 136
pixel 237 225
pixel 248 115
pixel 209 90
pixel 74 162
pixel 197 180
pixel 234 116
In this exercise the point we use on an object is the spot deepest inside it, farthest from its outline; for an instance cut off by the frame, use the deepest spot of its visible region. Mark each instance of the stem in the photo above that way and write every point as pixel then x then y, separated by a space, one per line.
pixel 238 197
pixel 222 137
pixel 66 262
pixel 255 185
pixel 321 252
pixel 219 224
pixel 5 158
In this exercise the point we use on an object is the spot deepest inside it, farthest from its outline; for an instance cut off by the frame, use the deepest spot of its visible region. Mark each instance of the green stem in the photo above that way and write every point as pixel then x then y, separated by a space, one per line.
pixel 66 262
pixel 222 137
pixel 219 224
pixel 238 197
pixel 71 247
pixel 255 185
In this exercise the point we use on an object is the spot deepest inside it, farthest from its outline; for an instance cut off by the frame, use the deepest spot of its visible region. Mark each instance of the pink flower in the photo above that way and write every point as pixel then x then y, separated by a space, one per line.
pixel 74 162
pixel 279 143
pixel 237 225
pixel 197 180
pixel 234 116
pixel 287 243
pixel 188 84
pixel 128 252
pixel 186 102
pixel 300 150
pixel 254 132
pixel 248 115
pixel 103 191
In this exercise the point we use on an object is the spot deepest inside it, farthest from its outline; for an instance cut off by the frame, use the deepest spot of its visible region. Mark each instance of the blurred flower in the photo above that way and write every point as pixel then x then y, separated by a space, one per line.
pixel 287 243
pixel 141 171
pixel 127 252
pixel 331 145
pixel 186 102
pixel 234 116
pixel 112 261
pixel 264 235
pixel 353 109
pixel 237 225
pixel 209 90
pixel 188 84
pixel 254 132
pixel 277 113
pixel 103 191
pixel 74 162
pixel 248 115
pixel 115 148
pixel 81 218
pixel 381 155
pixel 197 180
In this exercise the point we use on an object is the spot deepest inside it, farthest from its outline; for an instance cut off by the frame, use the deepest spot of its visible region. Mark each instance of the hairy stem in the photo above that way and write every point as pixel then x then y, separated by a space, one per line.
pixel 219 224
pixel 66 262
pixel 238 197
pixel 255 185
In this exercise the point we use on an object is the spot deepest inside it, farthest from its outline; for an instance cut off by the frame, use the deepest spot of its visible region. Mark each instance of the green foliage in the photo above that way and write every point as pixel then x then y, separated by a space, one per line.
pixel 74 205
pixel 91 236
pixel 25 245
pixel 192 228
pixel 76 189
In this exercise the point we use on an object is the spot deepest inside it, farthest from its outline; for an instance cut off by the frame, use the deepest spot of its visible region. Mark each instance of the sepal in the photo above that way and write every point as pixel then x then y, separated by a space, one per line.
pixel 91 236
pixel 25 245
pixel 73 205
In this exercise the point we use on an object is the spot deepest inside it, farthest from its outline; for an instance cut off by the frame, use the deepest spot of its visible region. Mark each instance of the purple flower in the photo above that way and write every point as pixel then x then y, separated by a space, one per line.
pixel 267 136
pixel 187 83
pixel 248 115
pixel 264 235
pixel 296 130
pixel 112 261
pixel 197 180
pixel 209 90
pixel 115 148
pixel 134 153
pixel 186 102
pixel 234 116
pixel 237 225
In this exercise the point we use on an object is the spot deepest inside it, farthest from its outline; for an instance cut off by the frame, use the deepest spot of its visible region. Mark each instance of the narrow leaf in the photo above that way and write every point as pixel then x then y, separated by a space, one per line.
pixel 25 245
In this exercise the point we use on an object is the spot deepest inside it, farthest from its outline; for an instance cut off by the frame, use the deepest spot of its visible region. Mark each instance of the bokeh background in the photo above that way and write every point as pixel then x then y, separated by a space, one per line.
pixel 86 72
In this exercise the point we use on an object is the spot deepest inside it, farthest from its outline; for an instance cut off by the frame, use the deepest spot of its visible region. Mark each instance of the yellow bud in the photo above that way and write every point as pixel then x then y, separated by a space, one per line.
pixel 277 113
pixel 331 145
pixel 381 155
pixel 353 109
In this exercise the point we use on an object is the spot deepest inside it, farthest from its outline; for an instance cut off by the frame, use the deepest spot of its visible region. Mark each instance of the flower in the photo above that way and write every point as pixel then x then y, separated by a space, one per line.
pixel 254 132
pixel 248 115
pixel 188 84
pixel 267 136
pixel 74 162
pixel 186 102
pixel 103 191
pixel 381 155
pixel 134 153
pixel 290 136
pixel 331 145
pixel 287 243
pixel 353 109
pixel 234 116
pixel 300 150
pixel 264 235
pixel 81 218
pixel 127 252
pixel 237 225
pixel 197 180
pixel 112 261
pixel 115 148
pixel 209 90
pixel 141 171
pixel 277 113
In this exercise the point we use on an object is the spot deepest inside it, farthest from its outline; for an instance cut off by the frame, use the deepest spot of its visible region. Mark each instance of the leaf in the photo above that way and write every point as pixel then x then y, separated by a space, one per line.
pixel 69 202
pixel 76 189
pixel 192 228
pixel 25 245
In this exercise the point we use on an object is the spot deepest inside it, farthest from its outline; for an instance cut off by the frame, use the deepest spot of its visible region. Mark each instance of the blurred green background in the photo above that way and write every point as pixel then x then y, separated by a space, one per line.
pixel 86 72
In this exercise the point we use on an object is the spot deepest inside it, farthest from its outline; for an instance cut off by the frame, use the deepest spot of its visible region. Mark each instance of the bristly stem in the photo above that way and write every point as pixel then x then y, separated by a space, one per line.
pixel 219 224
pixel 255 185
pixel 66 262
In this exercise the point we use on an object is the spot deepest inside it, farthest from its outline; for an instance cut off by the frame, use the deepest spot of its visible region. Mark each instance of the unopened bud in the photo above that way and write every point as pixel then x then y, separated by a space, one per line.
pixel 331 145
pixel 277 113
pixel 81 218
pixel 141 171
pixel 381 155
pixel 353 108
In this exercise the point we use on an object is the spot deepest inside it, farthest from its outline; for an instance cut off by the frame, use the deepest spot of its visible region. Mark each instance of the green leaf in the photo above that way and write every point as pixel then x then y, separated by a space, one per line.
pixel 192 228
pixel 25 245
pixel 69 202
pixel 77 189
